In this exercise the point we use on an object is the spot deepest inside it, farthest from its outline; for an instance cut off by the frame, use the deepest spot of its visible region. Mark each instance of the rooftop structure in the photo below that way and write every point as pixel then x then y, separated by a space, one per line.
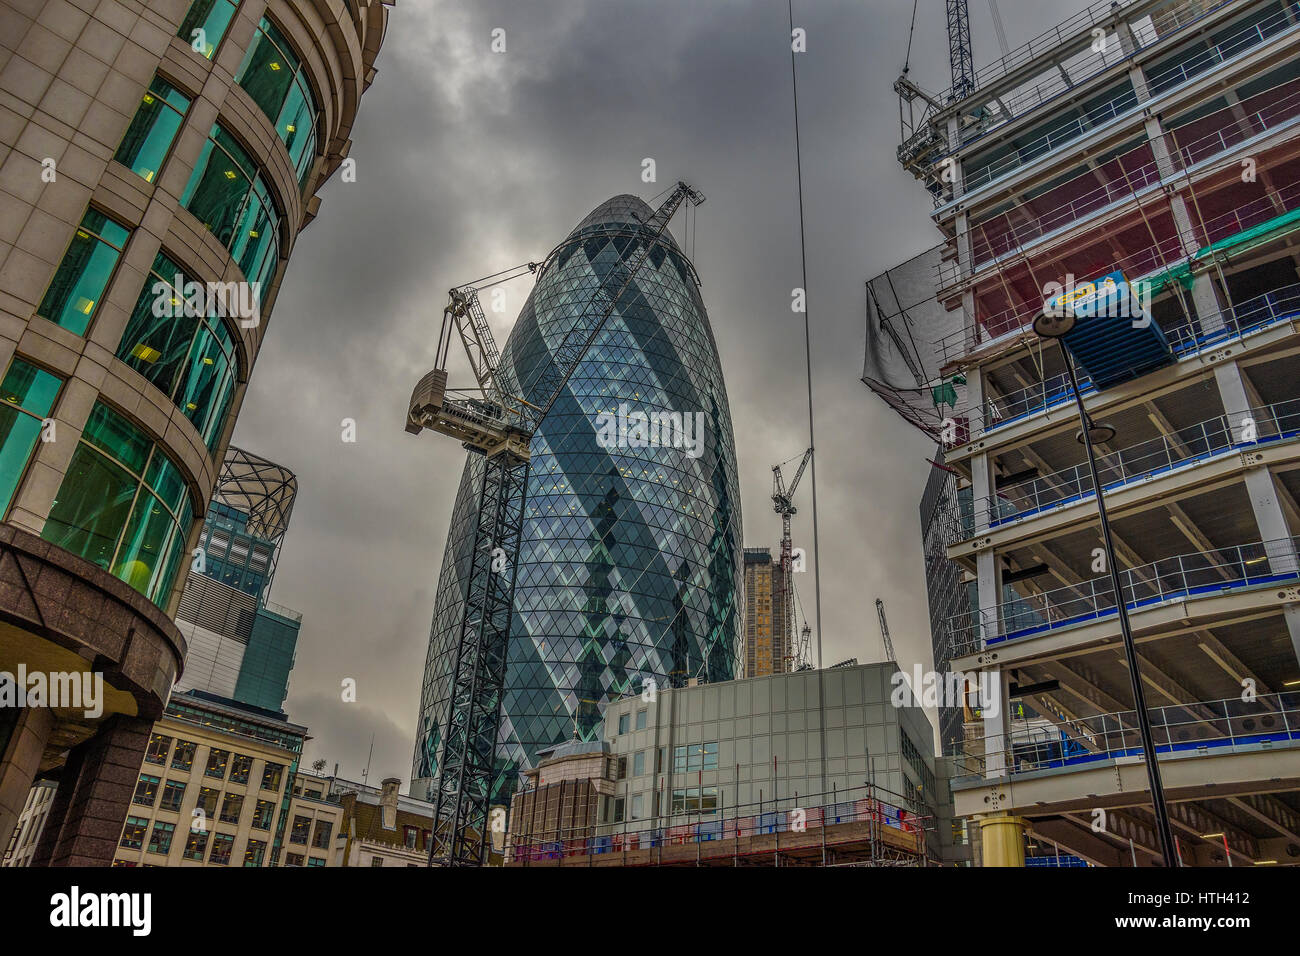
pixel 380 826
pixel 240 645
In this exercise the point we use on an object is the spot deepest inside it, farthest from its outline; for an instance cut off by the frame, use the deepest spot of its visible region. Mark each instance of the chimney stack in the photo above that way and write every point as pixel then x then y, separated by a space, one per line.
pixel 388 802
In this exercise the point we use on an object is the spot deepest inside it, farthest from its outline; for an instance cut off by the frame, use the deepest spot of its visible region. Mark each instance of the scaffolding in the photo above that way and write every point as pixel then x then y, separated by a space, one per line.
pixel 860 826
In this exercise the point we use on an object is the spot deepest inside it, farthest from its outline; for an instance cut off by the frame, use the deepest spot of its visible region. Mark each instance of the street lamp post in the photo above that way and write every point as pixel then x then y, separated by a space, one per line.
pixel 1054 326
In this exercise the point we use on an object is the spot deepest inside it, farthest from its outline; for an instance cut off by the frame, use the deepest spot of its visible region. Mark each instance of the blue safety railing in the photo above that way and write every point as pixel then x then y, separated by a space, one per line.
pixel 1181 577
pixel 1196 444
pixel 1185 339
pixel 1196 728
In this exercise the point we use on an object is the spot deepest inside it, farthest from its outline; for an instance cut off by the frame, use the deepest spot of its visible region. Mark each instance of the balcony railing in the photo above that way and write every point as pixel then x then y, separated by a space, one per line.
pixel 1245 39
pixel 1164 254
pixel 1082 66
pixel 1133 172
pixel 1251 316
pixel 1097 116
pixel 1200 728
pixel 1026 99
pixel 1045 43
pixel 1138 462
pixel 1186 576
pixel 991 244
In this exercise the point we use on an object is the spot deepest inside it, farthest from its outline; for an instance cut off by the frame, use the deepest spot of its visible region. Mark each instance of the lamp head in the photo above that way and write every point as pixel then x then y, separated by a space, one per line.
pixel 1098 433
pixel 1054 323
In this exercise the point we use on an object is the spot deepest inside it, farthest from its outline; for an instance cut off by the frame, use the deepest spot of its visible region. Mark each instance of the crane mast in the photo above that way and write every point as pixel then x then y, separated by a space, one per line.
pixel 884 632
pixel 960 58
pixel 493 422
pixel 792 649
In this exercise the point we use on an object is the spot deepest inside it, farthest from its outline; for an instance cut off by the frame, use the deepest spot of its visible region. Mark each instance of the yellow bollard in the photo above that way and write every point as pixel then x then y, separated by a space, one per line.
pixel 1003 840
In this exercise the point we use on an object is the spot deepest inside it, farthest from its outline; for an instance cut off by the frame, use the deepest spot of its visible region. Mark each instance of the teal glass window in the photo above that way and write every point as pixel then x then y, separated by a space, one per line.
pixel 189 357
pixel 183 758
pixel 123 506
pixel 173 794
pixel 146 790
pixel 27 394
pixel 212 17
pixel 149 138
pixel 272 74
pixel 83 275
pixel 263 814
pixel 231 199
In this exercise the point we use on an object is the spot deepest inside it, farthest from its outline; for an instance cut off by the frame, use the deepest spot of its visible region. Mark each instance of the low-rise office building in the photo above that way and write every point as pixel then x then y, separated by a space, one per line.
pixel 812 767
pixel 216 788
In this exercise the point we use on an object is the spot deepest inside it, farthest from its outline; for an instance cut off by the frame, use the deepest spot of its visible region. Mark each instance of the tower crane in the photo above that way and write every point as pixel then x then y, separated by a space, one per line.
pixel 884 632
pixel 497 424
pixel 923 145
pixel 783 504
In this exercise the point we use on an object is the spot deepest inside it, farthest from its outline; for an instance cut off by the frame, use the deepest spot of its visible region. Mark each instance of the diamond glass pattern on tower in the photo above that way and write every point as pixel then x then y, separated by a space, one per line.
pixel 630 564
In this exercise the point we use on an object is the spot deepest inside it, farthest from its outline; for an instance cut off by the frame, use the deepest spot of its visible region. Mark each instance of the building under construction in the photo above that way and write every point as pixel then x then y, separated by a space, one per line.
pixel 1144 150
pixel 766 632
pixel 811 768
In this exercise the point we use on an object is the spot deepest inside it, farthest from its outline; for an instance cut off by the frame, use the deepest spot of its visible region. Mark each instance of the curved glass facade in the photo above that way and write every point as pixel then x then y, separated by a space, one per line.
pixel 123 506
pixel 83 276
pixel 229 196
pixel 630 566
pixel 183 351
pixel 148 140
pixel 274 77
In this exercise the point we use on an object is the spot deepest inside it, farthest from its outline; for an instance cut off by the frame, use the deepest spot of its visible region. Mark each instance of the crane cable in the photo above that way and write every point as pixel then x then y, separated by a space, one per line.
pixel 997 25
pixel 807 336
pixel 911 30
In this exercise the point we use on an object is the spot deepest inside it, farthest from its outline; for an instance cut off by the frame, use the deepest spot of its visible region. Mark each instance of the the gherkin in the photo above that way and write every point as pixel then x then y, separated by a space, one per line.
pixel 630 566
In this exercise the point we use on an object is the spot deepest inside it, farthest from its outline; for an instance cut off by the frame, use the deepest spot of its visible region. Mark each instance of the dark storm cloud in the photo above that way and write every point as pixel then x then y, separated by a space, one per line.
pixel 469 162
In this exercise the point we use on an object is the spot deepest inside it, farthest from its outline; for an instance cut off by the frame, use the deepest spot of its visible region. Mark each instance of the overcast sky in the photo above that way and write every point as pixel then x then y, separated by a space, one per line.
pixel 469 162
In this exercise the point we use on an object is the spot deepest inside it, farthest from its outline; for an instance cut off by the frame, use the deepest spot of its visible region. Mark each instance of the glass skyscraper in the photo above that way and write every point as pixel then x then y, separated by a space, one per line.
pixel 630 568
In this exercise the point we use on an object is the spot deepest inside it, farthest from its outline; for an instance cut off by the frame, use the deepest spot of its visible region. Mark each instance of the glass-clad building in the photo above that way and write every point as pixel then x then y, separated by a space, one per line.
pixel 630 565
pixel 238 644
